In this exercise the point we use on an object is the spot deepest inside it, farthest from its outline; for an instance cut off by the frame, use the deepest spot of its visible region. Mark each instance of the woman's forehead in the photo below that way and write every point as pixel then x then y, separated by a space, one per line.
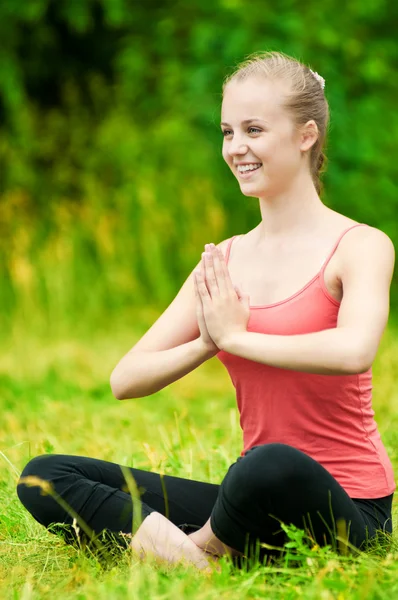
pixel 252 97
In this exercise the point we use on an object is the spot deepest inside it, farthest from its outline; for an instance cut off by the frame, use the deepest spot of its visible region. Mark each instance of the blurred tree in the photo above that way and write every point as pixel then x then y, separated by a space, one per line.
pixel 111 177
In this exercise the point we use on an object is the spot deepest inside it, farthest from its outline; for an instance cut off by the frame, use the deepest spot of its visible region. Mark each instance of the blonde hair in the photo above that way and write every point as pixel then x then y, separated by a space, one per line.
pixel 304 101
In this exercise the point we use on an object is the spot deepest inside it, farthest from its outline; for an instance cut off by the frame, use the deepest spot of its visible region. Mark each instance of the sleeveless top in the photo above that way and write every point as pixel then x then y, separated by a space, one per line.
pixel 328 417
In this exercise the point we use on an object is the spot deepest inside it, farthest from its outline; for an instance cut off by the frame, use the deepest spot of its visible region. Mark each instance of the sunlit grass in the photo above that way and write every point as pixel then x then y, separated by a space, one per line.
pixel 55 397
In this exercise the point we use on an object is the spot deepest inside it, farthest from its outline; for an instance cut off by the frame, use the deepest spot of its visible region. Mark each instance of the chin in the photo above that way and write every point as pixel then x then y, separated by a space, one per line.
pixel 252 190
pixel 251 194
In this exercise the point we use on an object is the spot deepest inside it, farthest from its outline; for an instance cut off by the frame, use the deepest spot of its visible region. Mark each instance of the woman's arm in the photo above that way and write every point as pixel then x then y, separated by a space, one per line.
pixel 141 373
pixel 169 350
pixel 327 352
pixel 367 264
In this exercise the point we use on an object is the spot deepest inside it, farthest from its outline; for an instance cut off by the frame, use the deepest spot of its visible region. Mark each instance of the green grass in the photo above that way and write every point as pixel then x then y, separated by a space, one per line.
pixel 55 397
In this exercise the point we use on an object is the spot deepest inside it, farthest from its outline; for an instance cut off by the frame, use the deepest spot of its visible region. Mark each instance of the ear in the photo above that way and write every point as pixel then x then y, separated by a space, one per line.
pixel 308 136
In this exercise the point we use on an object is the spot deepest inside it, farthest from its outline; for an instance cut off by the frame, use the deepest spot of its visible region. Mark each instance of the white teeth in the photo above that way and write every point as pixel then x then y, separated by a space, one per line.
pixel 252 167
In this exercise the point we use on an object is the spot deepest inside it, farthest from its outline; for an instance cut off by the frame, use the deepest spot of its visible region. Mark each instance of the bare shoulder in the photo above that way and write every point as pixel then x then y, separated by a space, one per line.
pixel 367 246
pixel 371 238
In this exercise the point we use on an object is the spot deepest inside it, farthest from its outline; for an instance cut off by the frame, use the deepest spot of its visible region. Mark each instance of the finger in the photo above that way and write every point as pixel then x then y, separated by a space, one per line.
pixel 209 274
pixel 202 289
pixel 228 286
pixel 199 297
pixel 219 273
pixel 238 292
pixel 203 272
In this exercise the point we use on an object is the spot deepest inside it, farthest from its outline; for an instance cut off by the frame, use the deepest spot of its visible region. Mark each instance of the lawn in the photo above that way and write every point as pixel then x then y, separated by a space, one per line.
pixel 55 397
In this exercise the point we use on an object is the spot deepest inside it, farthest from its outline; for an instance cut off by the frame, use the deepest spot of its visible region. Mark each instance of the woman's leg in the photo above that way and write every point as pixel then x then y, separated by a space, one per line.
pixel 97 491
pixel 276 482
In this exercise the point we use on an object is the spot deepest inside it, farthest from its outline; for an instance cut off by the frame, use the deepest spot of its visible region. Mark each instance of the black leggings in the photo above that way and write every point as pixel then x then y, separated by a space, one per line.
pixel 269 484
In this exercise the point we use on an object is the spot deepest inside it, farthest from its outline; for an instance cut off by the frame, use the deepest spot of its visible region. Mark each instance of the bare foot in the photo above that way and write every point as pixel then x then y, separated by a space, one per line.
pixel 157 537
pixel 205 539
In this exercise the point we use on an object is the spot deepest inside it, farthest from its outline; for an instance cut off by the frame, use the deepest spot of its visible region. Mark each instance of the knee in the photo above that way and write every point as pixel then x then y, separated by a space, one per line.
pixel 35 477
pixel 265 468
pixel 272 454
pixel 41 466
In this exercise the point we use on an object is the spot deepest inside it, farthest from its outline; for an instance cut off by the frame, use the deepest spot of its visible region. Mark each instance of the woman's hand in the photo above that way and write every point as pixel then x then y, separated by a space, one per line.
pixel 204 334
pixel 225 308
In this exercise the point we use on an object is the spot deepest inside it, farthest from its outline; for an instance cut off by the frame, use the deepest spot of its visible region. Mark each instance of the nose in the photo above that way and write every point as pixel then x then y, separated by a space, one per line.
pixel 236 147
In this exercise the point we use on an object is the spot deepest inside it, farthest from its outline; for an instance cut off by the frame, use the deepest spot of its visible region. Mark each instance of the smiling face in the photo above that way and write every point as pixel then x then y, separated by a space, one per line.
pixel 262 146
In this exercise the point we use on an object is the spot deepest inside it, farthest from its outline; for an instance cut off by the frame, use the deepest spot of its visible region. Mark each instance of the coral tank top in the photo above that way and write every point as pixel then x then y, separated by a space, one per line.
pixel 328 417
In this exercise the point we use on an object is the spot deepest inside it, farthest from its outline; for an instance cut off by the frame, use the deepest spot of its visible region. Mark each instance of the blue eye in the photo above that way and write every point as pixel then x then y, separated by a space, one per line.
pixel 226 132
pixel 254 130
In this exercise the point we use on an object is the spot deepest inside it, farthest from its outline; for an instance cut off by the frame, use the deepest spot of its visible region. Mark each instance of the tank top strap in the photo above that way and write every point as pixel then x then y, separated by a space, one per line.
pixel 228 250
pixel 327 259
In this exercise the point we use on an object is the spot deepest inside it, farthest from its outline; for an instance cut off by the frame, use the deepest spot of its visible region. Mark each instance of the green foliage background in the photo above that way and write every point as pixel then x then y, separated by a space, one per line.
pixel 111 176
pixel 111 182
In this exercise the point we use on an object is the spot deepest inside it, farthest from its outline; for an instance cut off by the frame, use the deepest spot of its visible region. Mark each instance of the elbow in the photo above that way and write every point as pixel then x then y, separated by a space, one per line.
pixel 360 363
pixel 117 389
pixel 121 391
pixel 364 366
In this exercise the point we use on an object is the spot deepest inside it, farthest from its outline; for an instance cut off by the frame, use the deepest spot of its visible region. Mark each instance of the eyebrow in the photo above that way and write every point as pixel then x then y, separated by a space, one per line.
pixel 246 121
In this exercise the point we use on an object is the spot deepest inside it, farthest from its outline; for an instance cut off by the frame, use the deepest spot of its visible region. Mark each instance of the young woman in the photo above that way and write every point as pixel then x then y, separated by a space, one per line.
pixel 298 337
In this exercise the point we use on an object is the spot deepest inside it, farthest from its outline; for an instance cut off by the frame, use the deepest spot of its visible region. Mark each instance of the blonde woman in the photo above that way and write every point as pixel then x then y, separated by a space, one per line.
pixel 298 337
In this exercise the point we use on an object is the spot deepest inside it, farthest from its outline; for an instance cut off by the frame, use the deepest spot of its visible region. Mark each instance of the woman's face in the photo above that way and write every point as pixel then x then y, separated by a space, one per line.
pixel 261 145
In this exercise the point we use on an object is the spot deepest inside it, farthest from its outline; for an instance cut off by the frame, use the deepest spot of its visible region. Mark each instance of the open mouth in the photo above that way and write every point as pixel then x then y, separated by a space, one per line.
pixel 247 170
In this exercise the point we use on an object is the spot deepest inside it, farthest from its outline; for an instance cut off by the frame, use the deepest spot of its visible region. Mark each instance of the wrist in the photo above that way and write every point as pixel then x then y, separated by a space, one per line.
pixel 230 341
pixel 205 350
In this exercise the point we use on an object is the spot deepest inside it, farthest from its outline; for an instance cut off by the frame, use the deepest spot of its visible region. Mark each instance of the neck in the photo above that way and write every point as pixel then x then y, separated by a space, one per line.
pixel 294 212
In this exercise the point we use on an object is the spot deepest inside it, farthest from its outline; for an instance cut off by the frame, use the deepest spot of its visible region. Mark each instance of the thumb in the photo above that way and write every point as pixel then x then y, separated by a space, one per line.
pixel 238 291
pixel 242 295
